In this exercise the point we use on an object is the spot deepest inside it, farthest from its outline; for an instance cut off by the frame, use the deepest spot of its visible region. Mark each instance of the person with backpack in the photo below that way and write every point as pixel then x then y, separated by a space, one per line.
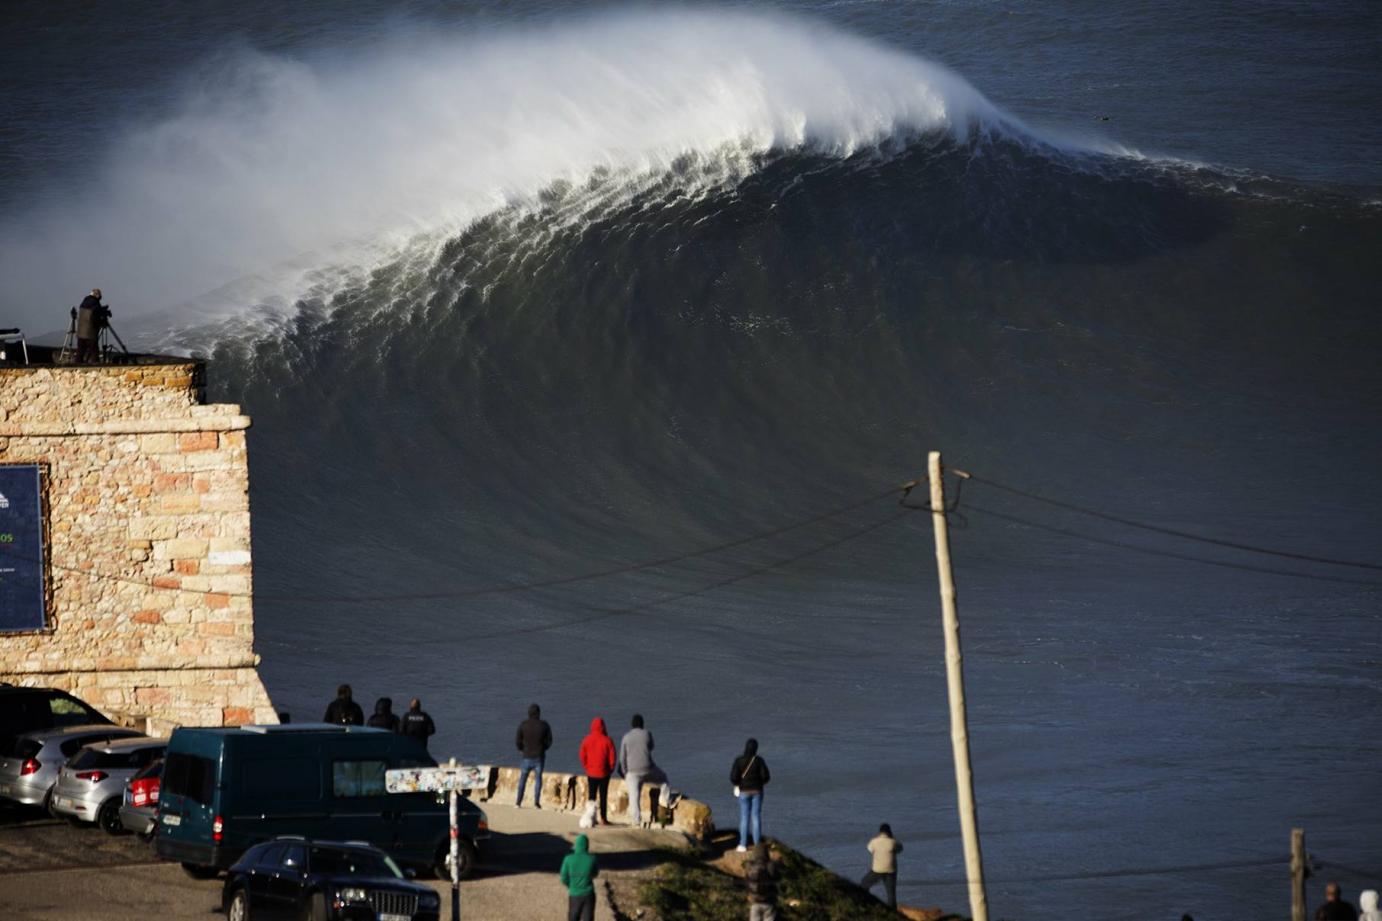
pixel 383 716
pixel 884 849
pixel 417 723
pixel 597 757
pixel 533 739
pixel 578 872
pixel 344 711
pixel 749 774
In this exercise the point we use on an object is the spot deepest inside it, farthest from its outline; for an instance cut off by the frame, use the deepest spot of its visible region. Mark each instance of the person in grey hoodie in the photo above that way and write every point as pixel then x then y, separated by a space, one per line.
pixel 637 767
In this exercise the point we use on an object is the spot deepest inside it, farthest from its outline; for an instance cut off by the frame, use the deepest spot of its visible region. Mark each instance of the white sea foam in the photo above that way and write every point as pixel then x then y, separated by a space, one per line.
pixel 271 167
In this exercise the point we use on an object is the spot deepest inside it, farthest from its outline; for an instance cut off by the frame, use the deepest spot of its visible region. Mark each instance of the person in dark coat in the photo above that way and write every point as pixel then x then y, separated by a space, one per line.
pixel 383 716
pixel 417 723
pixel 760 872
pixel 749 774
pixel 91 319
pixel 533 739
pixel 597 757
pixel 343 710
pixel 1334 907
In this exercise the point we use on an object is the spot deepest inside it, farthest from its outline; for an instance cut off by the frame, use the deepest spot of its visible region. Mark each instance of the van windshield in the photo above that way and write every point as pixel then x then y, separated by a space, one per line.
pixel 353 862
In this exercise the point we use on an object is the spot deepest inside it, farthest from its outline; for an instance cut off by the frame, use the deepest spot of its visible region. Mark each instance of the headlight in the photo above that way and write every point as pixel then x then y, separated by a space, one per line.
pixel 429 901
pixel 352 894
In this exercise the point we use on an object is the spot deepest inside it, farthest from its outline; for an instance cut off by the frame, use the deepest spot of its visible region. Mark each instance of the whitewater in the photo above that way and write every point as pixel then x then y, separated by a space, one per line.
pixel 516 293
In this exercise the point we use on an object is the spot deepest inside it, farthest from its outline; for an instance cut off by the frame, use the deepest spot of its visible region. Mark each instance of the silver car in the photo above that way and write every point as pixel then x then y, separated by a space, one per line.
pixel 29 768
pixel 91 786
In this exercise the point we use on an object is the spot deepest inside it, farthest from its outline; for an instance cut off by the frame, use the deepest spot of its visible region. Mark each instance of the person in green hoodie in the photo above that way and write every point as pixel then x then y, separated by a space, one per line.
pixel 578 872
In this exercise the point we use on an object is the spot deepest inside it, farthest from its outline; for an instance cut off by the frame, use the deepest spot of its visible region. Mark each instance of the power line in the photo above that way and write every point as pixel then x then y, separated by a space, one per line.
pixel 1158 529
pixel 1171 554
pixel 1116 874
pixel 603 614
pixel 465 593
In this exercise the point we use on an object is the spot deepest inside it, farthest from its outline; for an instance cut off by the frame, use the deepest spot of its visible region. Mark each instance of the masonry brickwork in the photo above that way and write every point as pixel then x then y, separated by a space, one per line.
pixel 149 542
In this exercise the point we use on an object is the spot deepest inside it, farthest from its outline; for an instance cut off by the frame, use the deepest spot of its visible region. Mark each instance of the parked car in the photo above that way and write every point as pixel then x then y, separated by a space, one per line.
pixel 29 765
pixel 91 786
pixel 139 808
pixel 28 709
pixel 226 790
pixel 324 881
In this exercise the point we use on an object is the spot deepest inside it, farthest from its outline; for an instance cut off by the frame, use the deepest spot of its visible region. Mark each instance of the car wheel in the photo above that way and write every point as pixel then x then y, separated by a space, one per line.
pixel 465 850
pixel 239 907
pixel 197 871
pixel 108 817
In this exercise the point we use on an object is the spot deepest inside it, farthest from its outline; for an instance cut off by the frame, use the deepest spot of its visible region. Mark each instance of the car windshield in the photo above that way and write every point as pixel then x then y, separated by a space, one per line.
pixel 353 862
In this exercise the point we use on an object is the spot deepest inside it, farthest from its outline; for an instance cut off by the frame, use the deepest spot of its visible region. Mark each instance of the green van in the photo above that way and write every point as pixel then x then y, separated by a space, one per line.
pixel 225 790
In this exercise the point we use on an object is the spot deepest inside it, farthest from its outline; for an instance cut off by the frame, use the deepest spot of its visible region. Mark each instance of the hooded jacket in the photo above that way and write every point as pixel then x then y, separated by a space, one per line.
pixel 578 870
pixel 534 735
pixel 383 717
pixel 1367 901
pixel 636 752
pixel 597 750
pixel 344 711
pixel 749 772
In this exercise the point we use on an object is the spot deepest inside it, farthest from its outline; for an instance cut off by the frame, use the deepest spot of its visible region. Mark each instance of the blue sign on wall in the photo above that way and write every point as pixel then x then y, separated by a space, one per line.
pixel 23 599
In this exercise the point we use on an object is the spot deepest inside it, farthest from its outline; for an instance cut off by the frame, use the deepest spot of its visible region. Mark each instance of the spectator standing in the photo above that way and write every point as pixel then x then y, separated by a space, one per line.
pixel 578 872
pixel 637 767
pixel 1367 902
pixel 344 710
pixel 533 739
pixel 1334 907
pixel 383 716
pixel 417 723
pixel 760 872
pixel 883 866
pixel 597 757
pixel 749 774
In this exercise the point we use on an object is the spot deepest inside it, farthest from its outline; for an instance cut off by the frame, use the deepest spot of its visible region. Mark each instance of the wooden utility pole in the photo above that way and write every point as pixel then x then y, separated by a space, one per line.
pixel 955 680
pixel 1297 874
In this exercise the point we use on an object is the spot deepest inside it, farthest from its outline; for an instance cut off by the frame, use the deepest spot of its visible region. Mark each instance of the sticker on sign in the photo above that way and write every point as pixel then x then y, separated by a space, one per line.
pixel 440 779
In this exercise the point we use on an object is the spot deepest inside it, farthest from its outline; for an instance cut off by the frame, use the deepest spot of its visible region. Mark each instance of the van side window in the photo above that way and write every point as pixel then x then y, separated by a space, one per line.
pixel 295 858
pixel 189 776
pixel 282 778
pixel 358 778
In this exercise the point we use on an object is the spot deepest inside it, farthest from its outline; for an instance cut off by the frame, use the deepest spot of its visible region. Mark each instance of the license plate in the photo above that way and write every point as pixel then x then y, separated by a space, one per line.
pixel 6 790
pixel 390 916
pixel 172 820
pixel 64 802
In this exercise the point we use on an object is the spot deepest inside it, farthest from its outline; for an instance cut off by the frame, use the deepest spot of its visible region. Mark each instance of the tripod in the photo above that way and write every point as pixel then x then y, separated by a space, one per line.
pixel 105 352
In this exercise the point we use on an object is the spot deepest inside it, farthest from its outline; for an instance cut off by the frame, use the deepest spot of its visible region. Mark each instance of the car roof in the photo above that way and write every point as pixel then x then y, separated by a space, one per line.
pixel 317 842
pixel 61 732
pixel 130 744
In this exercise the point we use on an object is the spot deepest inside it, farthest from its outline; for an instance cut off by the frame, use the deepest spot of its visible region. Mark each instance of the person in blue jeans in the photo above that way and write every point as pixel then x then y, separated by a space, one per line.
pixel 534 738
pixel 749 774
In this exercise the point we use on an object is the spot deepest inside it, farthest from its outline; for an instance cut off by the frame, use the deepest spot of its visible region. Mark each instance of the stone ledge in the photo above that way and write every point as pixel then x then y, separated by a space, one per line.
pixel 227 423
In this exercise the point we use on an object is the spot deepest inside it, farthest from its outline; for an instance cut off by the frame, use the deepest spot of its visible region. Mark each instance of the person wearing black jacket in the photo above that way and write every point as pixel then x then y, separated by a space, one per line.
pixel 533 739
pixel 343 710
pixel 91 319
pixel 749 774
pixel 383 716
pixel 417 723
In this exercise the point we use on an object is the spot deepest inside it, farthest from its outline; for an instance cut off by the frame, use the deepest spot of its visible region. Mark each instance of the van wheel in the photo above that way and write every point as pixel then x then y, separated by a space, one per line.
pixel 465 850
pixel 109 817
pixel 197 871
pixel 239 907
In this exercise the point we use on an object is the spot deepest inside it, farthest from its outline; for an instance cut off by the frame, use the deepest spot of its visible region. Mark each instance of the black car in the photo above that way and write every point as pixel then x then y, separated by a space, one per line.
pixel 28 709
pixel 294 878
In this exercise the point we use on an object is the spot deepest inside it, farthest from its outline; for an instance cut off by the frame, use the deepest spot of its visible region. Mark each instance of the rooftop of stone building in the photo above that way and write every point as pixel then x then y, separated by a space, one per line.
pixel 16 354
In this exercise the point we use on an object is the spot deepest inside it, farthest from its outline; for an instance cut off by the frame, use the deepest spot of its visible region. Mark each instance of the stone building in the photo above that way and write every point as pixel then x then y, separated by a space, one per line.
pixel 146 546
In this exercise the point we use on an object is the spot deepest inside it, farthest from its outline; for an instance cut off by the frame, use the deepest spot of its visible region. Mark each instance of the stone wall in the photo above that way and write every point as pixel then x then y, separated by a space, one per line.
pixel 149 555
pixel 569 792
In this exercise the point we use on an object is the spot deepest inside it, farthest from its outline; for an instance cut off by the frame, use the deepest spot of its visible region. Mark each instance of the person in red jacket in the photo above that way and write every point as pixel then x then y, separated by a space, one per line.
pixel 597 757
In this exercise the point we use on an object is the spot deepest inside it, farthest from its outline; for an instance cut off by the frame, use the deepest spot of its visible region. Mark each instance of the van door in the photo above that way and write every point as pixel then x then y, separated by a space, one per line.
pixel 361 808
pixel 186 794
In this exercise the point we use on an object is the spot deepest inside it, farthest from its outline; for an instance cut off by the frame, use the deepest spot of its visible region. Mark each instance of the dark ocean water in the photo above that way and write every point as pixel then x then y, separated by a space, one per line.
pixel 515 293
